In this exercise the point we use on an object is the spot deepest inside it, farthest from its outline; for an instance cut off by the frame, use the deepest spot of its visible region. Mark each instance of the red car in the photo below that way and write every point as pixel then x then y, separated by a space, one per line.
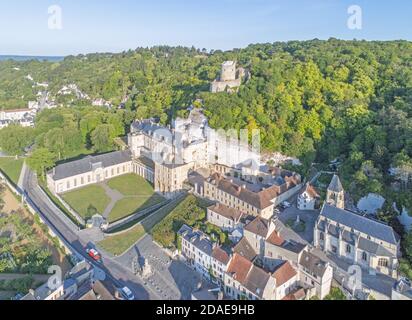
pixel 94 254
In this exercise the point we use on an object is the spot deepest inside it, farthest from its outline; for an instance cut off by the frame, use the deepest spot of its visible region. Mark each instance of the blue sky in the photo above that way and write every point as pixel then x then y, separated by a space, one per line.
pixel 106 25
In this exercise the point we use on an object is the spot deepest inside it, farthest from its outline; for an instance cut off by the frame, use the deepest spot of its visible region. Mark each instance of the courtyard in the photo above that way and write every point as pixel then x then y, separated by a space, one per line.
pixel 114 199
pixel 170 279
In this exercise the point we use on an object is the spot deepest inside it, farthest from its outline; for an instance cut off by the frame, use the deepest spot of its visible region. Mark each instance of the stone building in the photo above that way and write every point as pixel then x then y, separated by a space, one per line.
pixel 90 170
pixel 371 244
pixel 335 193
pixel 227 219
pixel 315 274
pixel 357 239
pixel 230 78
pixel 308 198
pixel 256 199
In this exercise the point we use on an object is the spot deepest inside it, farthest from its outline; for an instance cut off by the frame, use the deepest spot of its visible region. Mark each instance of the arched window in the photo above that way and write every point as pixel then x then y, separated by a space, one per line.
pixel 348 249
pixel 364 256
pixel 321 236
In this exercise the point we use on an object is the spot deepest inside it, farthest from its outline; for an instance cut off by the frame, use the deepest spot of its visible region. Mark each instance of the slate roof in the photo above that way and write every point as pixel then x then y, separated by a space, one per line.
pixel 313 264
pixel 373 228
pixel 84 165
pixel 374 248
pixel 335 185
pixel 197 238
pixel 294 246
pixel 349 237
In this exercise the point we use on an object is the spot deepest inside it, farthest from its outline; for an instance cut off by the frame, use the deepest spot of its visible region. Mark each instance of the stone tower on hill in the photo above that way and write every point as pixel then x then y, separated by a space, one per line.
pixel 230 78
pixel 228 72
pixel 336 194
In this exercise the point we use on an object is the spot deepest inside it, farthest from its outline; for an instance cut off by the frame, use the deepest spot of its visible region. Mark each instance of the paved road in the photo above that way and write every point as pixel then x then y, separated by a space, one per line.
pixel 171 279
pixel 117 274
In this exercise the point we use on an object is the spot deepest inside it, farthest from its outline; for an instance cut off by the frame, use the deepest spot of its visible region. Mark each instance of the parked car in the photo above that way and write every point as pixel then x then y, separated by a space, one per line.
pixel 127 294
pixel 94 254
pixel 286 204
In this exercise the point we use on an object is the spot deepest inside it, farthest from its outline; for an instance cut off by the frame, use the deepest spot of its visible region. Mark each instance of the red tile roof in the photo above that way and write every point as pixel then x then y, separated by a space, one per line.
pixel 311 191
pixel 275 239
pixel 239 267
pixel 220 255
pixel 284 273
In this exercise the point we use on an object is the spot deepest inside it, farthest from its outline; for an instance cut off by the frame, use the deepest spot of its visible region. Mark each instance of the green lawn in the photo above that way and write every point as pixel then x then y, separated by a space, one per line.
pixel 139 195
pixel 81 199
pixel 131 185
pixel 11 168
pixel 131 205
pixel 117 245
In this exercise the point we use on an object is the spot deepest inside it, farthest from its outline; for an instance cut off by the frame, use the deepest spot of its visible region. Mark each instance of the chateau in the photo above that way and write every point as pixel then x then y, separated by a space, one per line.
pixel 167 156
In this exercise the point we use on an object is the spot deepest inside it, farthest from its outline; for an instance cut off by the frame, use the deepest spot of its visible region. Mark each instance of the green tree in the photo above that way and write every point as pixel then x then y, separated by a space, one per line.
pixel 41 160
pixel 14 139
pixel 102 138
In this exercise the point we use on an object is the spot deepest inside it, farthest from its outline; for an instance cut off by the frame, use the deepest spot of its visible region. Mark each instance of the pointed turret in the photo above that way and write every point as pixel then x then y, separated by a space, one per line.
pixel 336 193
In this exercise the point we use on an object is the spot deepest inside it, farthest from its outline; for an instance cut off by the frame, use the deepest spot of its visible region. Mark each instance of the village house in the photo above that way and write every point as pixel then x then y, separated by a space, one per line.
pixel 227 219
pixel 308 198
pixel 201 254
pixel 315 275
pixel 245 281
pixel 263 237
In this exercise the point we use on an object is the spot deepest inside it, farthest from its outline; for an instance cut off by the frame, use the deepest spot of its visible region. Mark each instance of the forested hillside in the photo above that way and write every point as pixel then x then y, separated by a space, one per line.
pixel 317 100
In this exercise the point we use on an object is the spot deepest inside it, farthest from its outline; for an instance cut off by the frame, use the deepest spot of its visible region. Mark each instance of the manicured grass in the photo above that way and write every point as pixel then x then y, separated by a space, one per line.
pixel 11 168
pixel 131 185
pixel 81 199
pixel 139 195
pixel 130 205
pixel 117 245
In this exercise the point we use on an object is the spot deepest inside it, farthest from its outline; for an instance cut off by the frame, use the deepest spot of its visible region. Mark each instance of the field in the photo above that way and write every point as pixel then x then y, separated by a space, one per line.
pixel 80 200
pixel 130 205
pixel 11 168
pixel 115 199
pixel 131 185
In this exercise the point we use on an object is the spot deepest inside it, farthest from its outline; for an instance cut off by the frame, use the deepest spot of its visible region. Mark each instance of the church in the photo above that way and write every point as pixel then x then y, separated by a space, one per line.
pixel 355 238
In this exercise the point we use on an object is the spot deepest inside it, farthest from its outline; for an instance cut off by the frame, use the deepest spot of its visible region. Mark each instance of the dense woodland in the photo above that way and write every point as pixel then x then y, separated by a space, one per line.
pixel 316 100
